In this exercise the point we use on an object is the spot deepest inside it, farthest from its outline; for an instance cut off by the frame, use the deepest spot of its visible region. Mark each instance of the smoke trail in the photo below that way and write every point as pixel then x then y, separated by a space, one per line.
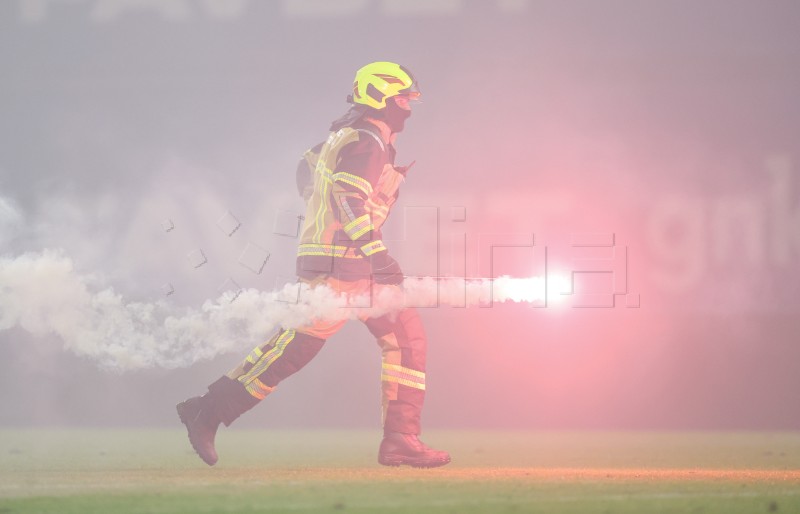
pixel 42 293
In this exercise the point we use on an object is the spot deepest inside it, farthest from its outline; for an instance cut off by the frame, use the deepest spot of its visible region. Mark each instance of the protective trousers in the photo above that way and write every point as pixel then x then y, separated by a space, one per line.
pixel 400 336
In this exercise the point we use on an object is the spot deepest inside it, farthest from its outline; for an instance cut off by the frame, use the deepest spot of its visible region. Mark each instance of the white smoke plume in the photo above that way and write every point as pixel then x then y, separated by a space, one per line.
pixel 43 294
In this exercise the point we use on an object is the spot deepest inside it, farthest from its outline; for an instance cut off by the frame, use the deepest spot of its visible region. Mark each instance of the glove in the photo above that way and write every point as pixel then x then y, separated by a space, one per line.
pixel 385 269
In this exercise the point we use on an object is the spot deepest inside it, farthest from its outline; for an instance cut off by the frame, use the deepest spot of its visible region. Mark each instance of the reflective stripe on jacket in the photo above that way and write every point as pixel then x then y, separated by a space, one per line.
pixel 355 185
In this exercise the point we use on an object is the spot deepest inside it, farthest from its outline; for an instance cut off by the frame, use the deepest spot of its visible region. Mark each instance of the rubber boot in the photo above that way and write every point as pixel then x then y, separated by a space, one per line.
pixel 406 449
pixel 225 401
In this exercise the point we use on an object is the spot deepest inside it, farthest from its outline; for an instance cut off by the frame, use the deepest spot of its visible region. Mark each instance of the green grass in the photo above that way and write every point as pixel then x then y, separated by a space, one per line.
pixel 126 471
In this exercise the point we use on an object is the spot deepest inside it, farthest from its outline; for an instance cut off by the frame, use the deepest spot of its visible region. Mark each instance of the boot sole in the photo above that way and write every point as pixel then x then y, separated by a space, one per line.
pixel 404 460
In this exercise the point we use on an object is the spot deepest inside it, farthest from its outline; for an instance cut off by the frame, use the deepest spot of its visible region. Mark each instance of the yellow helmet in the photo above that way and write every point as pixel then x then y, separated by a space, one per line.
pixel 377 81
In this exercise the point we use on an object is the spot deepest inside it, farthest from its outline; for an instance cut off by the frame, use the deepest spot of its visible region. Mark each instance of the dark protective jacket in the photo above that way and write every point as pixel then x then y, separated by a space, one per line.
pixel 353 185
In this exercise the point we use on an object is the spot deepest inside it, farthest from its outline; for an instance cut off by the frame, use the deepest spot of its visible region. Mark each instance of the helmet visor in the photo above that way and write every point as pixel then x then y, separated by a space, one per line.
pixel 409 96
pixel 413 90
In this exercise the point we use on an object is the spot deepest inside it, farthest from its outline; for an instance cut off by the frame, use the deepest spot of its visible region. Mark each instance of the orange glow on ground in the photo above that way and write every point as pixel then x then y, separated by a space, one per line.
pixel 480 474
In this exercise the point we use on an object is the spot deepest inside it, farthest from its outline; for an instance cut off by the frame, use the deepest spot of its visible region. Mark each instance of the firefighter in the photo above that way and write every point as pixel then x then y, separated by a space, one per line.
pixel 350 184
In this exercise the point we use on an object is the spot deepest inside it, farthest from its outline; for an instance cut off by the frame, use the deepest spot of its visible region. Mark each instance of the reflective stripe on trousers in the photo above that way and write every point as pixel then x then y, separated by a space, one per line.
pixel 400 336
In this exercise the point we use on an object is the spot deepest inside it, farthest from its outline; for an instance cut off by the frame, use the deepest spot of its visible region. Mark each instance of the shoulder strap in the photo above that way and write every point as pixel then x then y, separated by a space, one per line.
pixel 373 134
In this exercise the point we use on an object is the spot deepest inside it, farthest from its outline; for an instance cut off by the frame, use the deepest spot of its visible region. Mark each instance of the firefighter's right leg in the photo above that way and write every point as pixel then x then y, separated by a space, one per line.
pixel 250 382
pixel 282 356
pixel 244 386
pixel 225 401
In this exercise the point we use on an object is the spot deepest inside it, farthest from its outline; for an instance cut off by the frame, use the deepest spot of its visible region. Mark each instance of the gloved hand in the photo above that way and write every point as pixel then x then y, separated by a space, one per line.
pixel 385 269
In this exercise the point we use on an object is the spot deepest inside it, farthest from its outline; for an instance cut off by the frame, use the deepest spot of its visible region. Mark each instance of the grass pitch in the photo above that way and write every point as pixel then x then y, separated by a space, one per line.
pixel 150 471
